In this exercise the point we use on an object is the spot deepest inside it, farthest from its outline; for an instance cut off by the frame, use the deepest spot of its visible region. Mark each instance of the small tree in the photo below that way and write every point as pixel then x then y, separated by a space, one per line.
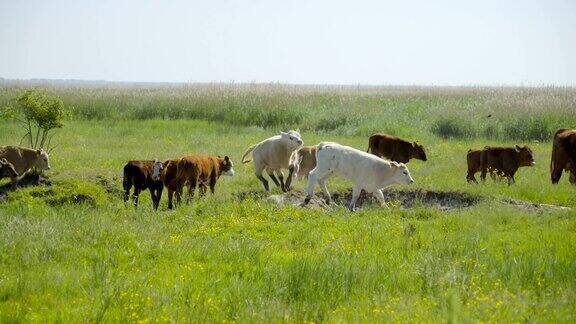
pixel 39 114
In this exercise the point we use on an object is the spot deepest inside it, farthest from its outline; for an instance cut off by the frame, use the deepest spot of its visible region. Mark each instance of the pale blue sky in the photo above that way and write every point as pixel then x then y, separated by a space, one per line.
pixel 441 42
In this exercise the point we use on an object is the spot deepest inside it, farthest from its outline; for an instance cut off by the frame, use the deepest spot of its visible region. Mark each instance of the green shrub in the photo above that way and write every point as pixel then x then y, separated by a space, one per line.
pixel 453 127
pixel 527 129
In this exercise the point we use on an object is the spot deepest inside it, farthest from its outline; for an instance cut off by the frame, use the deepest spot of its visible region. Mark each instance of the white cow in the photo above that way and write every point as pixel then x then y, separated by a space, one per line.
pixel 365 170
pixel 273 155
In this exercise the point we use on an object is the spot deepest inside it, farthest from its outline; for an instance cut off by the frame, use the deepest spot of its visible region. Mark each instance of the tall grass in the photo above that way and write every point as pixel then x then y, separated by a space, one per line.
pixel 521 114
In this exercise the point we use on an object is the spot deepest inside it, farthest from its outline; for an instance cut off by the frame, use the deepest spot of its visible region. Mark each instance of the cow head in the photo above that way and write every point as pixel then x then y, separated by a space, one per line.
pixel 157 170
pixel 525 156
pixel 226 167
pixel 7 169
pixel 418 151
pixel 402 174
pixel 42 161
pixel 293 139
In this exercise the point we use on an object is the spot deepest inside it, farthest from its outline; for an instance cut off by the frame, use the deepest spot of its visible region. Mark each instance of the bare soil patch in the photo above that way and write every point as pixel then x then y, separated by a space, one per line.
pixel 405 199
pixel 29 180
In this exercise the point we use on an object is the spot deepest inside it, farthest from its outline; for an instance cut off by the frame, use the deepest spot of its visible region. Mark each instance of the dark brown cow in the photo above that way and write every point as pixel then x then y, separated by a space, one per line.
pixel 7 170
pixel 395 148
pixel 563 155
pixel 505 160
pixel 143 175
pixel 199 170
pixel 474 159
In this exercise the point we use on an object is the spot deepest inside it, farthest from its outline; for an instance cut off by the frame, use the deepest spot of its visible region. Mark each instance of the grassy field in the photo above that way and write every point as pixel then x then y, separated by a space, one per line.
pixel 237 256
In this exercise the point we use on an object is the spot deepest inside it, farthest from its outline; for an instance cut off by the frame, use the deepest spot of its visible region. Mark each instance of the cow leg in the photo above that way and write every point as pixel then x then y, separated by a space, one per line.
pixel 281 178
pixel 322 183
pixel 14 182
pixel 158 197
pixel 380 196
pixel 153 195
pixel 127 186
pixel 170 197
pixel 191 187
pixel 483 175
pixel 273 177
pixel 470 177
pixel 135 195
pixel 312 178
pixel 289 179
pixel 556 173
pixel 258 172
pixel 202 187
pixel 212 183
pixel 179 191
pixel 355 195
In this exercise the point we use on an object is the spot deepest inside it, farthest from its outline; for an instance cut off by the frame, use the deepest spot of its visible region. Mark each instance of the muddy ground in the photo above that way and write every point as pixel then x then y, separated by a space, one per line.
pixel 405 199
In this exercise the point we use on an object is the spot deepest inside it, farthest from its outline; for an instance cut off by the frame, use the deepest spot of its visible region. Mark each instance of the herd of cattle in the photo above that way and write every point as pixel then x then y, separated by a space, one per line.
pixel 383 164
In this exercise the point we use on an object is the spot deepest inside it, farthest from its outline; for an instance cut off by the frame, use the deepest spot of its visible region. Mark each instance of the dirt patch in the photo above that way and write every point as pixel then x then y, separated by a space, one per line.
pixel 403 198
pixel 29 180
pixel 530 206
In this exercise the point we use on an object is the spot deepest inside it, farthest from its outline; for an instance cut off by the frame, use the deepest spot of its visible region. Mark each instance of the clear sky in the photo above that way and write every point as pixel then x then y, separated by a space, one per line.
pixel 398 42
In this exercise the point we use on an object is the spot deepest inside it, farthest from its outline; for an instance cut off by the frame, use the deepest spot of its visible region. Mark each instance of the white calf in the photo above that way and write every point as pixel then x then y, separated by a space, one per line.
pixel 365 170
pixel 273 155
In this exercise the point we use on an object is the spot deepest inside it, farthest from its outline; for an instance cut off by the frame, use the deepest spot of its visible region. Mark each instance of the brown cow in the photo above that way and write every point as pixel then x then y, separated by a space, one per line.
pixel 198 170
pixel 143 175
pixel 474 158
pixel 395 148
pixel 7 170
pixel 302 162
pixel 563 155
pixel 168 177
pixel 505 160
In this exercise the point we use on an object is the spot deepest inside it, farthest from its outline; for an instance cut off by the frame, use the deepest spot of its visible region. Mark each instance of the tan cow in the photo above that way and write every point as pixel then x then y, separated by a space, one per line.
pixel 7 170
pixel 563 155
pixel 273 155
pixel 303 161
pixel 24 159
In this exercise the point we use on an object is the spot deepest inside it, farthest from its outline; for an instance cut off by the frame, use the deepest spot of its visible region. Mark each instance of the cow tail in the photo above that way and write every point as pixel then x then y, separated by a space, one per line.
pixel 250 149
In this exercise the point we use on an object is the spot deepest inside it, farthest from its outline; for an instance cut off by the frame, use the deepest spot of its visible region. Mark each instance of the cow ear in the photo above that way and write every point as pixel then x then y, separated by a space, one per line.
pixel 518 148
pixel 38 151
pixel 226 158
pixel 298 130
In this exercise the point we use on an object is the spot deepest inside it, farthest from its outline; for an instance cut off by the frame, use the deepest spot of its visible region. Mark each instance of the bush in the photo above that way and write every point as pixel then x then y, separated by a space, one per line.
pixel 335 122
pixel 527 129
pixel 453 127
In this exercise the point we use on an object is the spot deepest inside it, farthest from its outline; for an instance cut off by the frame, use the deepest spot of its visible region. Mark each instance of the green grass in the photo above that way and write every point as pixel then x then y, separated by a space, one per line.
pixel 225 259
